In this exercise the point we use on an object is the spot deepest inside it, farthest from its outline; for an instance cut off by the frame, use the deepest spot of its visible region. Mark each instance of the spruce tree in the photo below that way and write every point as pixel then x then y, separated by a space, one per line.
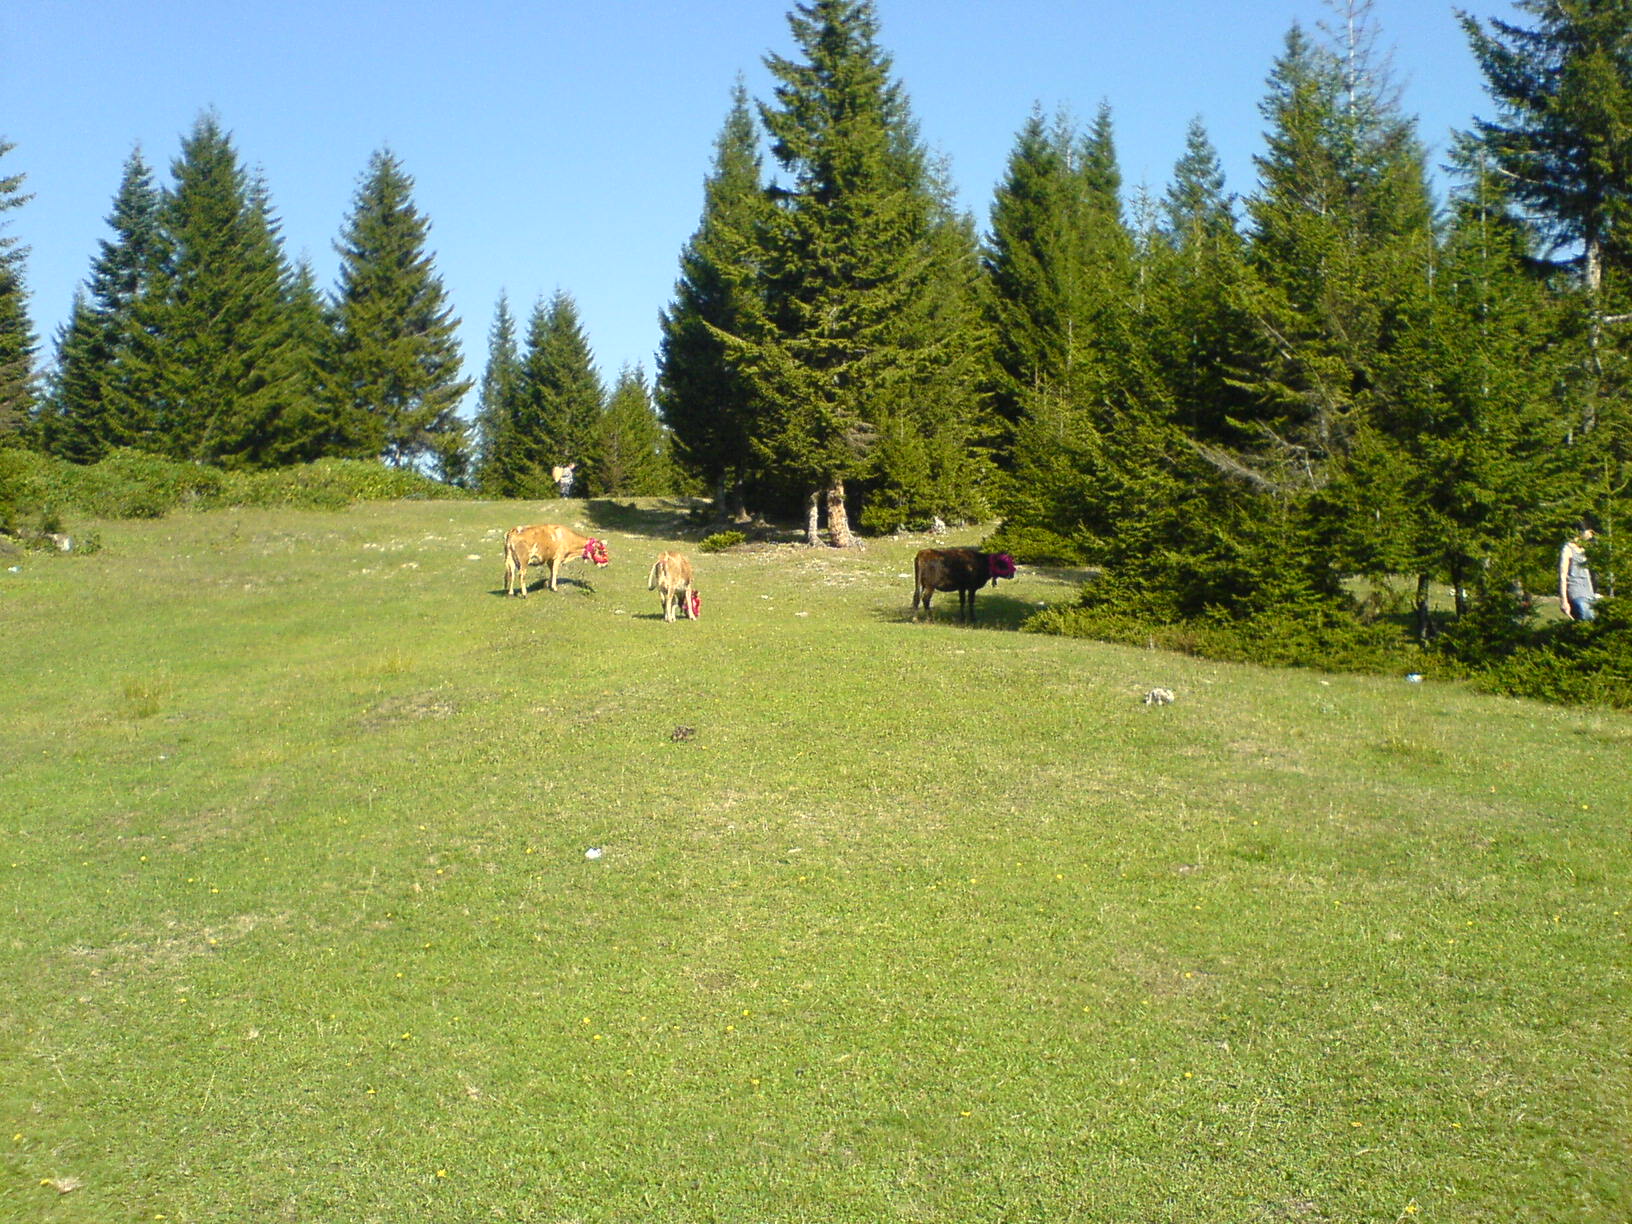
pixel 706 402
pixel 1341 242
pixel 1472 397
pixel 396 360
pixel 17 339
pixel 496 405
pixel 559 401
pixel 932 457
pixel 312 428
pixel 105 389
pixel 630 454
pixel 1561 139
pixel 1075 377
pixel 1562 133
pixel 214 334
pixel 846 261
pixel 1194 276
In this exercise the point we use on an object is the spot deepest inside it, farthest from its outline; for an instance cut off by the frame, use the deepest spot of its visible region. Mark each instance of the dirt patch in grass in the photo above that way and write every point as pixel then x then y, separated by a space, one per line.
pixel 411 708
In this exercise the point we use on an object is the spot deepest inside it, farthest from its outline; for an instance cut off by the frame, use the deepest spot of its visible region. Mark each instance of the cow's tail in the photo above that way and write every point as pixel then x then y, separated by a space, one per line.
pixel 657 568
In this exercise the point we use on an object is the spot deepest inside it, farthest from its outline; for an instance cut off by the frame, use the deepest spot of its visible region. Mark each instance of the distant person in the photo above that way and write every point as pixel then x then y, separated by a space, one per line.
pixel 1575 590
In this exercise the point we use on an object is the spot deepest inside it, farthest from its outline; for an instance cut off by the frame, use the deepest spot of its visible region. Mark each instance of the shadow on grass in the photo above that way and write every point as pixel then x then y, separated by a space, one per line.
pixel 992 611
pixel 661 517
pixel 535 586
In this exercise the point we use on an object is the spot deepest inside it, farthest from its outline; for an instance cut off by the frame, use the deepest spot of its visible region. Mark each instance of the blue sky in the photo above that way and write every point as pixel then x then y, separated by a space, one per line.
pixel 562 144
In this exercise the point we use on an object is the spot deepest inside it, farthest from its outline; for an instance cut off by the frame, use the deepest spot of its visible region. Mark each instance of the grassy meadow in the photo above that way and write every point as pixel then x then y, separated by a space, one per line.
pixel 890 921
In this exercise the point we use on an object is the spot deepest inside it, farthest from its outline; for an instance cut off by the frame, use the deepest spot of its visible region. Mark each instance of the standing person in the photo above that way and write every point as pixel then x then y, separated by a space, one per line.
pixel 1575 590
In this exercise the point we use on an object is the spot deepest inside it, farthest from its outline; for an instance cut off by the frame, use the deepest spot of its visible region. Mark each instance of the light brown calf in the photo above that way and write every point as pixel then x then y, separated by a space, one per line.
pixel 671 579
pixel 545 544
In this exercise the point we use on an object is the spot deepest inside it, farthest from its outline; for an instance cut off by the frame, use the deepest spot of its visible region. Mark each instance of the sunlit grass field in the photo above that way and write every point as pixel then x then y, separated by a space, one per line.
pixel 889 921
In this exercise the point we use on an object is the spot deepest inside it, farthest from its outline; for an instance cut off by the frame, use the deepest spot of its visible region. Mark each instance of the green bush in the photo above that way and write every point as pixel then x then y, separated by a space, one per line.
pixel 1035 546
pixel 131 484
pixel 721 540
pixel 1570 663
pixel 1318 637
pixel 25 490
pixel 1297 629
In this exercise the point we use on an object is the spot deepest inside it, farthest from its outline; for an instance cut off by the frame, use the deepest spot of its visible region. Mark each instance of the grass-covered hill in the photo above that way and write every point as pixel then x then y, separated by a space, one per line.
pixel 888 921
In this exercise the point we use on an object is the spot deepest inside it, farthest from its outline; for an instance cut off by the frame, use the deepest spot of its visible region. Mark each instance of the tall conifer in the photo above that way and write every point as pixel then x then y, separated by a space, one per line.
pixel 1341 242
pixel 17 339
pixel 846 261
pixel 707 403
pixel 630 454
pixel 105 388
pixel 217 344
pixel 496 405
pixel 396 363
pixel 558 403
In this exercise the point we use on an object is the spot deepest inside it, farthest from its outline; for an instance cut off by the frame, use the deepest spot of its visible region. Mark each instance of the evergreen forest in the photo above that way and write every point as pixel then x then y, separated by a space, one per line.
pixel 1342 416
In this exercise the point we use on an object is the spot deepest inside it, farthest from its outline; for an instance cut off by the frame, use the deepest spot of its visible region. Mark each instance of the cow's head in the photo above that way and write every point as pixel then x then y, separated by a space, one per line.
pixel 999 565
pixel 696 604
pixel 595 551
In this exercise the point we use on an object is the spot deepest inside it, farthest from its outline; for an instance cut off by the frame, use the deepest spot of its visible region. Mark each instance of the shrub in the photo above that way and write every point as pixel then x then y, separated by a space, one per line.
pixel 1035 546
pixel 1570 663
pixel 133 484
pixel 720 541
pixel 1302 629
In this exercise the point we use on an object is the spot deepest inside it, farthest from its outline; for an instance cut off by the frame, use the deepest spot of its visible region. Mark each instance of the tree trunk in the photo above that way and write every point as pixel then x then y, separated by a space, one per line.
pixel 1425 625
pixel 735 496
pixel 838 518
pixel 813 518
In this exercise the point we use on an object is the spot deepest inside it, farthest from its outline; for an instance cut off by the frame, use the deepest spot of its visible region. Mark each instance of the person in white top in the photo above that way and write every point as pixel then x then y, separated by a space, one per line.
pixel 1575 590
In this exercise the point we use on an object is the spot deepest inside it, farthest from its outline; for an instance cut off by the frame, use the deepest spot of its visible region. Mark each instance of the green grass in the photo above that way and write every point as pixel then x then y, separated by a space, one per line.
pixel 920 923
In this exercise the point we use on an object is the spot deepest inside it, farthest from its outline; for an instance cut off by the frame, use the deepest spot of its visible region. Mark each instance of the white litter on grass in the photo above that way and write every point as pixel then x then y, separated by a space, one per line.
pixel 1159 696
pixel 594 852
pixel 473 556
pixel 1414 678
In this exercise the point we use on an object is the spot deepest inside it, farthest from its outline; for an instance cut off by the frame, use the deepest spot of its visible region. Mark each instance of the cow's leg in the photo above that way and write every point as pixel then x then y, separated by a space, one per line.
pixel 685 599
pixel 555 571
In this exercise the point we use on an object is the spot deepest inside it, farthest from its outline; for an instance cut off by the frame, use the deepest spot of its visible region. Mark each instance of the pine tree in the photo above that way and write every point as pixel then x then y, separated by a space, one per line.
pixel 847 261
pixel 558 404
pixel 1194 277
pixel 1471 395
pixel 17 339
pixel 496 405
pixel 932 457
pixel 396 361
pixel 1561 140
pixel 217 344
pixel 1075 377
pixel 75 379
pixel 707 404
pixel 104 389
pixel 630 454
pixel 1341 242
pixel 312 428
pixel 1562 135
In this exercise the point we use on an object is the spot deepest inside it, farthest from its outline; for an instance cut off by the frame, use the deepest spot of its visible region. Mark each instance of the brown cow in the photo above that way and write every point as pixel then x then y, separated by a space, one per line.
pixel 545 544
pixel 671 579
pixel 964 570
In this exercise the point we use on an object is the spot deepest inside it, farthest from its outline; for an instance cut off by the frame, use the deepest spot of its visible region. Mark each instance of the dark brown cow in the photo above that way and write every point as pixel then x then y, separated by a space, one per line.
pixel 964 570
